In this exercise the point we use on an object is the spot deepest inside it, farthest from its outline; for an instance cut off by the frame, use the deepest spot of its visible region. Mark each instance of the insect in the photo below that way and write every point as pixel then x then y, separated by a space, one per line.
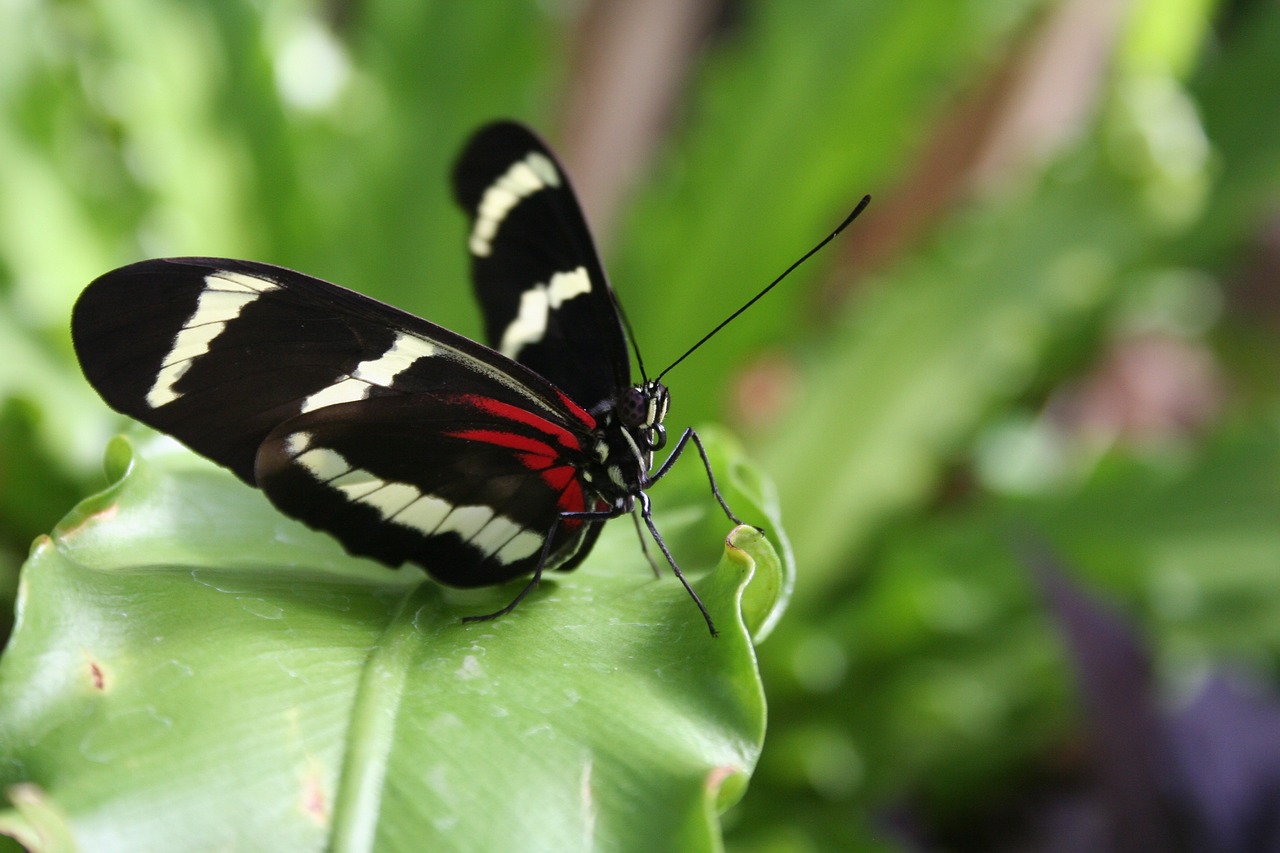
pixel 402 439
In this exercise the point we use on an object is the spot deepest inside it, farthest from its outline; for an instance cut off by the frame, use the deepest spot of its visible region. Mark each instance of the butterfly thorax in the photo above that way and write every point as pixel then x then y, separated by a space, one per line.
pixel 630 430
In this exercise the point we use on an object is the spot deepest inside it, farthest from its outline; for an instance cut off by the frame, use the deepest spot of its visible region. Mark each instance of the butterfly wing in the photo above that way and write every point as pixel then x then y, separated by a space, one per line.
pixel 218 353
pixel 338 406
pixel 542 290
pixel 463 485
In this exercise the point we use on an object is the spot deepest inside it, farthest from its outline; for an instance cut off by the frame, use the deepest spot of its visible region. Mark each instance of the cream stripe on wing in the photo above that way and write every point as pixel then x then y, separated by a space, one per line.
pixel 405 505
pixel 536 305
pixel 381 371
pixel 524 178
pixel 225 296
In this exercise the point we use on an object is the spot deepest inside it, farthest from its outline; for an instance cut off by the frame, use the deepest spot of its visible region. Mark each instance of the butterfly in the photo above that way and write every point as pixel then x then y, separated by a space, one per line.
pixel 406 441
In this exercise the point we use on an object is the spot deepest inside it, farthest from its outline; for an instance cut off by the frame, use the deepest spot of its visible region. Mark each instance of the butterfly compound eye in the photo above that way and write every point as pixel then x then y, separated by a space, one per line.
pixel 633 409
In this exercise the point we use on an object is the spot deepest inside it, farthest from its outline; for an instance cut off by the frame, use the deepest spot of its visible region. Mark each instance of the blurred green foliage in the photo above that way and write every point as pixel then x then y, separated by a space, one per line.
pixel 922 429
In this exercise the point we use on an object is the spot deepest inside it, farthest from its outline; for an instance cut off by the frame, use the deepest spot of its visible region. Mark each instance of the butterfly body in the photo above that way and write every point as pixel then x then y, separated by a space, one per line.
pixel 403 439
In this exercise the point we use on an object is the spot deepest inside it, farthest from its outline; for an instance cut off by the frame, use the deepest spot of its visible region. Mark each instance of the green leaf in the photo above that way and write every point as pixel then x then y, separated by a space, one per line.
pixel 191 670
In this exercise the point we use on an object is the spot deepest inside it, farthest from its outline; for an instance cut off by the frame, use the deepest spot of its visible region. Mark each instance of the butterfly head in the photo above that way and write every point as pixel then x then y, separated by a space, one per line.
pixel 642 410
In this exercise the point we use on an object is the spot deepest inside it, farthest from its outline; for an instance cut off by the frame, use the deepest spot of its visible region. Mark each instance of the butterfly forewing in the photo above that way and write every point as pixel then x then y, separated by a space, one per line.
pixel 541 287
pixel 218 353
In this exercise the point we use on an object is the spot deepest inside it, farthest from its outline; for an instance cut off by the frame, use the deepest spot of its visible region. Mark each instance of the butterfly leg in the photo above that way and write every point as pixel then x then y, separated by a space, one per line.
pixel 542 561
pixel 530 586
pixel 690 434
pixel 647 515
pixel 644 544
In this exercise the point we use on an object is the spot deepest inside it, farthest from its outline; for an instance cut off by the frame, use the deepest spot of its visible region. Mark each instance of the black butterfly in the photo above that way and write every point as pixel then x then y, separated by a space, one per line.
pixel 402 439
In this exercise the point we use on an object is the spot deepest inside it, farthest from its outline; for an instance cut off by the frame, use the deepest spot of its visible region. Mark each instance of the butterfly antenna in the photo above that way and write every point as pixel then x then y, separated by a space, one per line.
pixel 752 301
pixel 631 335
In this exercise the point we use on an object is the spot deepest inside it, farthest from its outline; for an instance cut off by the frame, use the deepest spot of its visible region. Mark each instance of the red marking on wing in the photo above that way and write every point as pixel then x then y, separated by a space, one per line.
pixel 564 479
pixel 515 441
pixel 577 411
pixel 528 418
pixel 571 497
pixel 537 456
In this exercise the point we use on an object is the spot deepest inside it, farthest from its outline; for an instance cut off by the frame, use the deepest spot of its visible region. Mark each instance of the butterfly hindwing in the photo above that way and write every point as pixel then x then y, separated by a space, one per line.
pixel 464 485
pixel 544 295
